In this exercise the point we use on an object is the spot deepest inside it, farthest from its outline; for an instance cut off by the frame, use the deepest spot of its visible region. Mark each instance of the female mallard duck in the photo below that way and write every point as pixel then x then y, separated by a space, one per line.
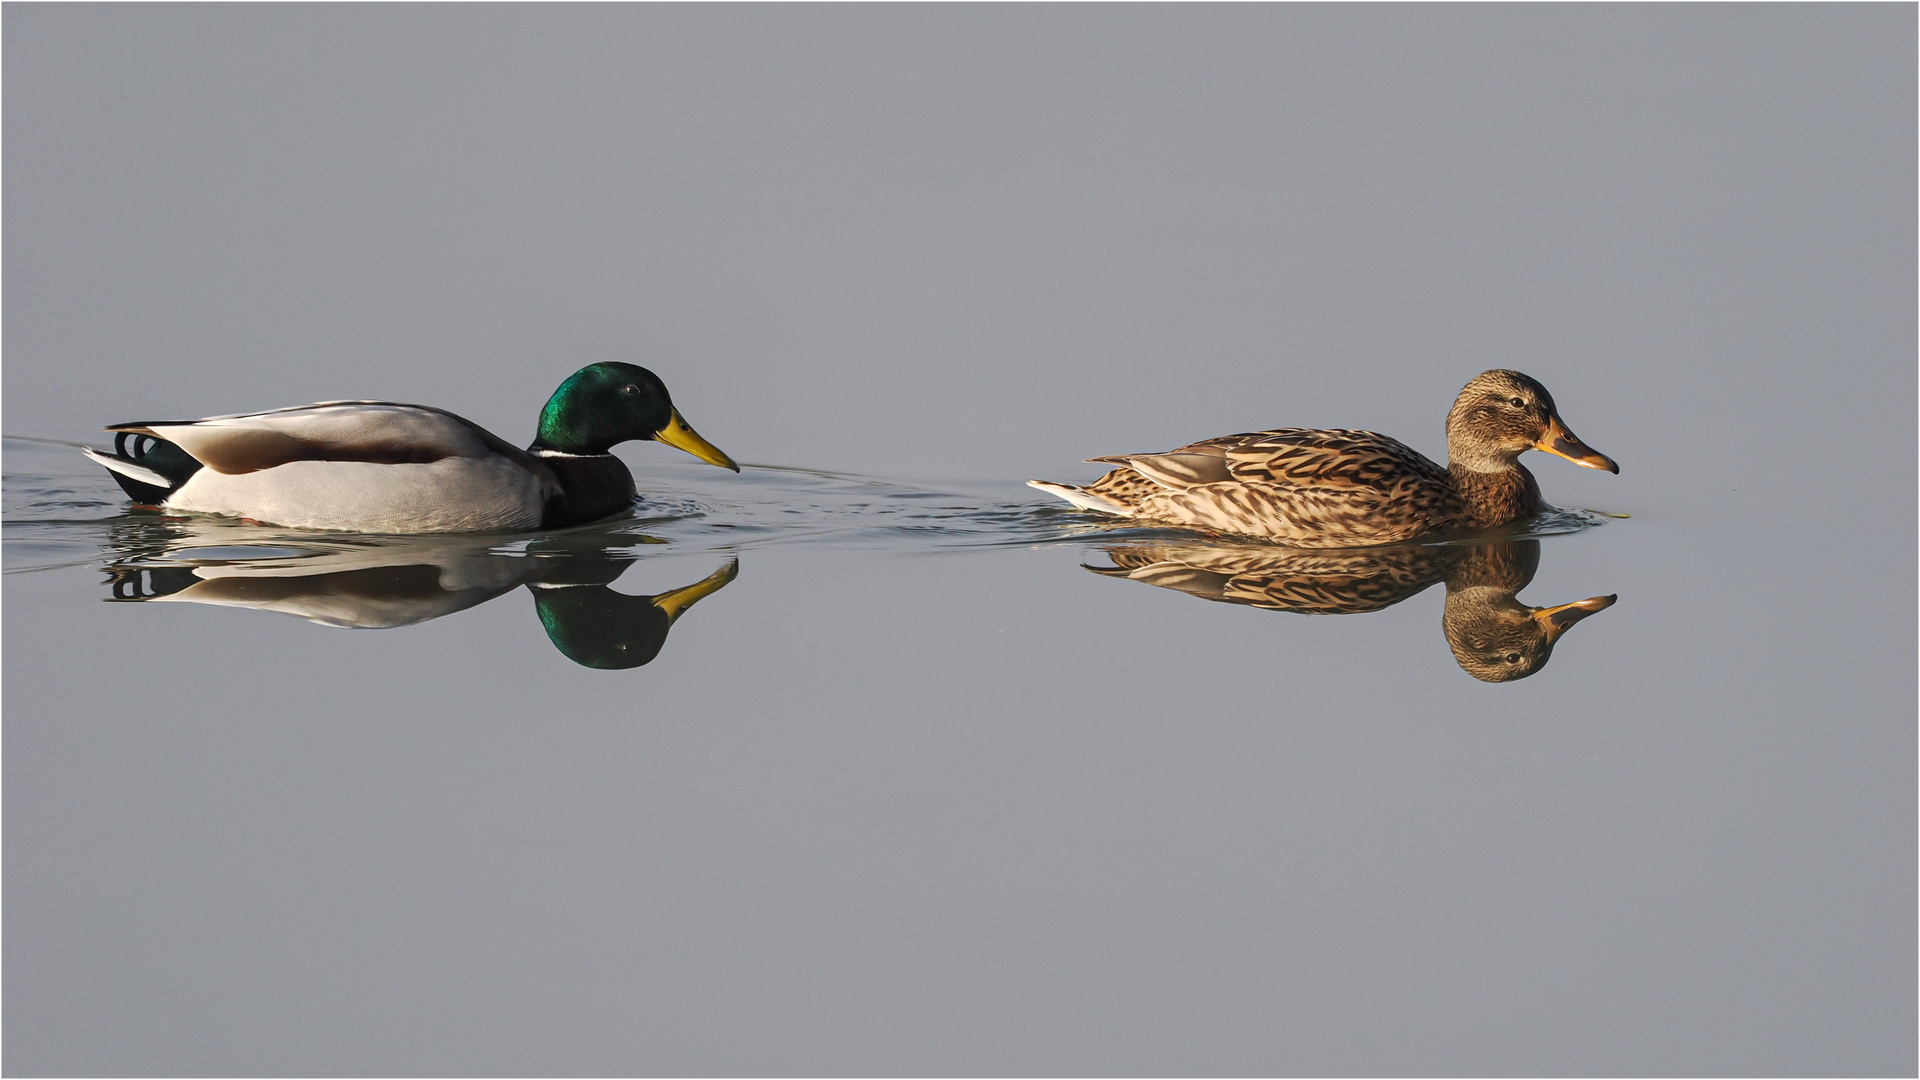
pixel 377 466
pixel 1342 488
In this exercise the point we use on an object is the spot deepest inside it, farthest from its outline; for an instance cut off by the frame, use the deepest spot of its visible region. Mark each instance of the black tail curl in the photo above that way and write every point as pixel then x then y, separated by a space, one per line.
pixel 156 455
pixel 149 582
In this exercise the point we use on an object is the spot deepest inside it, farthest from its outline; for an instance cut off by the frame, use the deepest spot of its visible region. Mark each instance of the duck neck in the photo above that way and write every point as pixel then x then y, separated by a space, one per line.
pixel 592 486
pixel 557 437
pixel 1496 496
pixel 564 448
pixel 1503 566
pixel 569 425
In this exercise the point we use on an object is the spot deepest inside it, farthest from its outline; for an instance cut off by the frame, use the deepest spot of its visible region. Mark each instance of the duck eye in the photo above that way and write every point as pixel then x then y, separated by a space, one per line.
pixel 1513 658
pixel 1516 403
pixel 629 389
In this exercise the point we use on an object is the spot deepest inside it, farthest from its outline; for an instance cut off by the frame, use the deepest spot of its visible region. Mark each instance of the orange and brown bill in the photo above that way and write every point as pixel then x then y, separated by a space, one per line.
pixel 1555 621
pixel 1560 442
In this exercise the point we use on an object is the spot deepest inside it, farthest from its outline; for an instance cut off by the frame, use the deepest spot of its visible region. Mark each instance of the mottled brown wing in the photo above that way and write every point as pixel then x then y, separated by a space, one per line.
pixel 1319 458
pixel 1123 486
pixel 1306 457
pixel 1303 486
pixel 1305 516
pixel 1176 468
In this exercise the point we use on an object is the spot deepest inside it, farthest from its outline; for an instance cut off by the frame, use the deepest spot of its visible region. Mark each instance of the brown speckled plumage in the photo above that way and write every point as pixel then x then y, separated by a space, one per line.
pixel 1279 579
pixel 1493 635
pixel 1342 488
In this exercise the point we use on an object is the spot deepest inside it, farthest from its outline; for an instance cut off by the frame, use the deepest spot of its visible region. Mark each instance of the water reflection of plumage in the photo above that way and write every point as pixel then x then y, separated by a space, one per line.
pixel 1494 637
pixel 369 583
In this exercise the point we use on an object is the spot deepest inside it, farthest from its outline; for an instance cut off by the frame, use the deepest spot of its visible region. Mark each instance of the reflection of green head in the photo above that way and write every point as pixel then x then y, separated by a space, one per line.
pixel 598 628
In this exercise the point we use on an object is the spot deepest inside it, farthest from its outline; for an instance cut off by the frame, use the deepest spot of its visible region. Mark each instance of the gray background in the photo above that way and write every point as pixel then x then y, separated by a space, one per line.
pixel 937 812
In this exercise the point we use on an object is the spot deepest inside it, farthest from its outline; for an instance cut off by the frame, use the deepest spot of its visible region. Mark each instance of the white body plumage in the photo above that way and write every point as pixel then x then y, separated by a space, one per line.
pixel 368 466
pixel 455 494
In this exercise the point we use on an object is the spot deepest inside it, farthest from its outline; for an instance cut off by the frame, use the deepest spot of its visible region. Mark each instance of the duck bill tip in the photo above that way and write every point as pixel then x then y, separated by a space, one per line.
pixel 679 600
pixel 1559 619
pixel 1560 442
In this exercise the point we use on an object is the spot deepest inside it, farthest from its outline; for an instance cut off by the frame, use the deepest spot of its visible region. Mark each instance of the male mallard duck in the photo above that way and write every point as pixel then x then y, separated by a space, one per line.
pixel 378 466
pixel 1343 488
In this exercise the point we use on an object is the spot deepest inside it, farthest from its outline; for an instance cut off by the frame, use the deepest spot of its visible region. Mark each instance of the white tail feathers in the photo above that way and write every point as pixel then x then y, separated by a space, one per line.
pixel 1082 498
pixel 128 469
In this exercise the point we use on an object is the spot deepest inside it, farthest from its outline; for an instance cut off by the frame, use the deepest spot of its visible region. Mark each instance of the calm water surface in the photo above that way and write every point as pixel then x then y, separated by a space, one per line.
pixel 796 772
pixel 876 771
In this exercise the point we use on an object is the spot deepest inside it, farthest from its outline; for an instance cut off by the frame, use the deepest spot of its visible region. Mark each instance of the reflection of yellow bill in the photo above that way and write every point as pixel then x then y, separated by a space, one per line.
pixel 679 600
pixel 681 437
pixel 1555 621
pixel 1560 442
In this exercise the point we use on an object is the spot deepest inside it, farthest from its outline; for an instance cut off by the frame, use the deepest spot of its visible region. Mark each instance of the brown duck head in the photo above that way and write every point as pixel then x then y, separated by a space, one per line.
pixel 1502 414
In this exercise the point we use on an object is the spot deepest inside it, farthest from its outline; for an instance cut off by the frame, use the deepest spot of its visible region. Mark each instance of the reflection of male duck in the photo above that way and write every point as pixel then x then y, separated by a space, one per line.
pixel 599 628
pixel 1494 637
pixel 375 584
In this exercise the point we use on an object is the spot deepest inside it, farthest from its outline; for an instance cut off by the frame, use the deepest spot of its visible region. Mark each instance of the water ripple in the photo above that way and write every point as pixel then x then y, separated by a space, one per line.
pixel 61 511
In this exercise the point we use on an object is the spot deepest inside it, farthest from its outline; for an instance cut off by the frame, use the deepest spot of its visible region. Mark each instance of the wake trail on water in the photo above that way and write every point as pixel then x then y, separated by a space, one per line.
pixel 59 510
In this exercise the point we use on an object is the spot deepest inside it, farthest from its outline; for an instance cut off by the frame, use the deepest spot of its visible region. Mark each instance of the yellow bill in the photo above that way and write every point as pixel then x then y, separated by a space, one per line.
pixel 681 437
pixel 679 600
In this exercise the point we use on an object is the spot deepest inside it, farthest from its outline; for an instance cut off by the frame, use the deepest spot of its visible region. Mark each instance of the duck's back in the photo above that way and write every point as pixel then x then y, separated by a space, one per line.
pixel 371 466
pixel 1311 487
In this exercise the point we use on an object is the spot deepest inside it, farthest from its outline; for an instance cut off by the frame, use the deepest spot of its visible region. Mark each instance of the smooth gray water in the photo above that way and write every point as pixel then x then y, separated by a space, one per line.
pixel 900 787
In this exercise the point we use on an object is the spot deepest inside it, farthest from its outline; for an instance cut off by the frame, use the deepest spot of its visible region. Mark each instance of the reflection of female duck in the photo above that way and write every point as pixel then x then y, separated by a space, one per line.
pixel 1494 637
pixel 1342 488
pixel 400 583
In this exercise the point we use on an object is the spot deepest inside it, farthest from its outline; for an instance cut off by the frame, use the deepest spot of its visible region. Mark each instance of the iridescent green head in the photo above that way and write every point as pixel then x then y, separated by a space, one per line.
pixel 602 405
